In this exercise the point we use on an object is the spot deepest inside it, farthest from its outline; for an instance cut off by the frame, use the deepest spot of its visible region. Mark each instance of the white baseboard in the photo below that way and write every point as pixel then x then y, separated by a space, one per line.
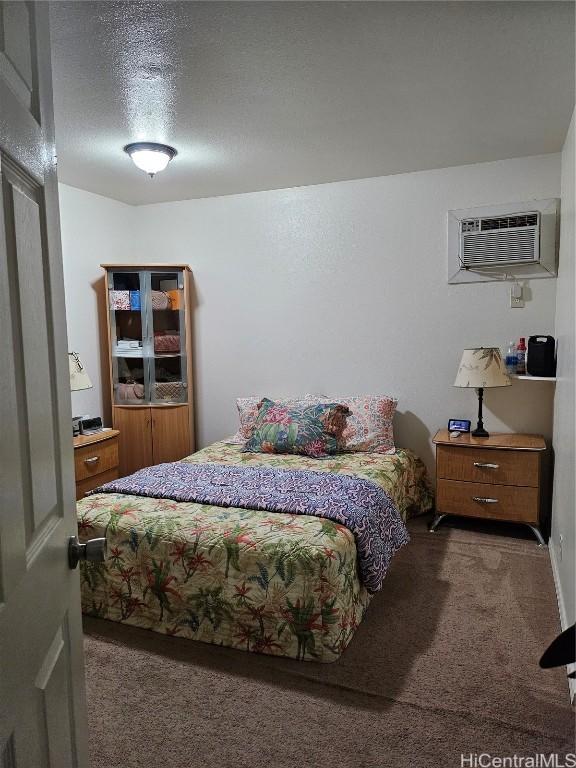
pixel 561 607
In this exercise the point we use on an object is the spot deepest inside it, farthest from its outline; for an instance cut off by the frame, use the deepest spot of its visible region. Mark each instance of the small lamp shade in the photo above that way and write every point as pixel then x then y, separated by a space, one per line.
pixel 482 368
pixel 79 379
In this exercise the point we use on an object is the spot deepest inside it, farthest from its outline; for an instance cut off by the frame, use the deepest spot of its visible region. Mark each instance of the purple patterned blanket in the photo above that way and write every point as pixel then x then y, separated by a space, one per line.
pixel 360 505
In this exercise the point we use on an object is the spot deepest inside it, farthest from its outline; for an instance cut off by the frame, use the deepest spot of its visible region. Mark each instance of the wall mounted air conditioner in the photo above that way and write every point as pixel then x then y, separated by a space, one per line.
pixel 517 240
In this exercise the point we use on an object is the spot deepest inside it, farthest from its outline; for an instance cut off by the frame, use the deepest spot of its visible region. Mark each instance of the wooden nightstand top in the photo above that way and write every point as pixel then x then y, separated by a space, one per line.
pixel 97 437
pixel 502 440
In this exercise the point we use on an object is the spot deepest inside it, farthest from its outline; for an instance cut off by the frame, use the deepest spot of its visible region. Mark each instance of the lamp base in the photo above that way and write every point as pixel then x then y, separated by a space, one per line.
pixel 480 431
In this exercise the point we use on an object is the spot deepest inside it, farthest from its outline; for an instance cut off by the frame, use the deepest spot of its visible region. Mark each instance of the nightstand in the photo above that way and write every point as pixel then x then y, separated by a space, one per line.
pixel 95 460
pixel 495 478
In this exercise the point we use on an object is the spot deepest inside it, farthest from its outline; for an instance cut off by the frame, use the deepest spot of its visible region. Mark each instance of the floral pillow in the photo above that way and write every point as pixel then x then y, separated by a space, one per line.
pixel 248 412
pixel 368 428
pixel 369 425
pixel 312 430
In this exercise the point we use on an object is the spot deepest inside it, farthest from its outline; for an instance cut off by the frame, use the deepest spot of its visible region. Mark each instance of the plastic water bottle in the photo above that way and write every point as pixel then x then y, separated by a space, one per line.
pixel 511 359
pixel 521 357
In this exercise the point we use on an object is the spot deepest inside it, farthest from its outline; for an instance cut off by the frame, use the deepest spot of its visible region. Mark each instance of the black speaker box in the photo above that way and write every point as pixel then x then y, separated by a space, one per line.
pixel 541 357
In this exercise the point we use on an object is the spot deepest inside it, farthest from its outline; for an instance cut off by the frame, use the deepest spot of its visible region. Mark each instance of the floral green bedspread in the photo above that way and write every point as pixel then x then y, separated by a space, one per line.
pixel 269 582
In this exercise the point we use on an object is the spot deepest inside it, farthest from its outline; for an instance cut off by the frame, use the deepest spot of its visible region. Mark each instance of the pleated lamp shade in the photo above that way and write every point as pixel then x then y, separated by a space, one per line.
pixel 482 367
pixel 79 379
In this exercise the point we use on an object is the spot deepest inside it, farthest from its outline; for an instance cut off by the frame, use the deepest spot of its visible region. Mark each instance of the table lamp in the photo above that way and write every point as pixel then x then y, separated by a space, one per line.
pixel 480 368
pixel 79 379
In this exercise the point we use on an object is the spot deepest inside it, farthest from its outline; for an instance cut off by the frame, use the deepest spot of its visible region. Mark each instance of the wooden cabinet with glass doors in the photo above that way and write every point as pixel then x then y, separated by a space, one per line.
pixel 150 344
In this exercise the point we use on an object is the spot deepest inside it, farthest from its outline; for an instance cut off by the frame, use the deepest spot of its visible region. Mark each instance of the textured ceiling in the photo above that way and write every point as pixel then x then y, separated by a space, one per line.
pixel 264 95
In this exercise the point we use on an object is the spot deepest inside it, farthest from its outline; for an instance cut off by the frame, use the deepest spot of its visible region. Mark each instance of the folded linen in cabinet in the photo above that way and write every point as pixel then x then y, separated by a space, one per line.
pixel 119 299
pixel 169 390
pixel 130 391
pixel 174 298
pixel 167 342
pixel 160 300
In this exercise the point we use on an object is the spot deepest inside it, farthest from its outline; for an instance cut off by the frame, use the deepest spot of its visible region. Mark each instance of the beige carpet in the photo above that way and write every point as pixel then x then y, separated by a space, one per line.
pixel 446 662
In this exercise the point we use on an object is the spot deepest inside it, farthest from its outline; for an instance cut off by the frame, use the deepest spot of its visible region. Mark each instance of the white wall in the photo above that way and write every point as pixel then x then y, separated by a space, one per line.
pixel 338 289
pixel 95 230
pixel 341 288
pixel 564 510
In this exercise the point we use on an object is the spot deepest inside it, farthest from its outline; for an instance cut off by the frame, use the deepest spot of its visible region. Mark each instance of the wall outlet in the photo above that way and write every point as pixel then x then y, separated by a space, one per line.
pixel 516 296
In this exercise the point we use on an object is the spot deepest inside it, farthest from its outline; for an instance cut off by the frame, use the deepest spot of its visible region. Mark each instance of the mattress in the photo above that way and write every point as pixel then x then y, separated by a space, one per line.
pixel 267 582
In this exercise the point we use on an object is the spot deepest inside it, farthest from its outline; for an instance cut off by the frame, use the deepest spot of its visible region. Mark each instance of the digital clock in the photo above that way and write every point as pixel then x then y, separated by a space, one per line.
pixel 459 425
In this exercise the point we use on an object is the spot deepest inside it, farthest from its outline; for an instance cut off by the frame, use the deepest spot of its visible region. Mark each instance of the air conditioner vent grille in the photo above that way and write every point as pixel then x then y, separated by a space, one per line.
pixel 499 247
pixel 499 240
pixel 509 222
pixel 500 222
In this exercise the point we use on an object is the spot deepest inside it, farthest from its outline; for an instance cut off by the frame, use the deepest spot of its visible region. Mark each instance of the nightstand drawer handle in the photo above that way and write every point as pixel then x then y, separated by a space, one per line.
pixel 484 500
pixel 486 465
pixel 92 460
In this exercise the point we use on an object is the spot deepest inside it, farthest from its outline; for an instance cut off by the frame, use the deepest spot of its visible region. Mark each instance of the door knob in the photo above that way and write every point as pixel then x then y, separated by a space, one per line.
pixel 93 550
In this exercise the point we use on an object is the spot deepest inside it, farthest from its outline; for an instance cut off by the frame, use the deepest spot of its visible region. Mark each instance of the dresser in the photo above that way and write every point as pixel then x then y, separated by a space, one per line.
pixel 95 460
pixel 494 478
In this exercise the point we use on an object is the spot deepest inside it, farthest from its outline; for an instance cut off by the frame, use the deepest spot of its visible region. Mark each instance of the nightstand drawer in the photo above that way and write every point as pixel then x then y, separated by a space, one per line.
pixel 499 502
pixel 488 465
pixel 96 458
pixel 83 486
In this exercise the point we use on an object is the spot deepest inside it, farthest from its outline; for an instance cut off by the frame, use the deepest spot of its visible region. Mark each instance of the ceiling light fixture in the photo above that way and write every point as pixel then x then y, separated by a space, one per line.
pixel 149 156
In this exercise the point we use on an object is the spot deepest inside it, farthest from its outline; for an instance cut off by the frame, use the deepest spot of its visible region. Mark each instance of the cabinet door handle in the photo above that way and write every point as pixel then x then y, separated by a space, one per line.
pixel 486 465
pixel 92 460
pixel 484 500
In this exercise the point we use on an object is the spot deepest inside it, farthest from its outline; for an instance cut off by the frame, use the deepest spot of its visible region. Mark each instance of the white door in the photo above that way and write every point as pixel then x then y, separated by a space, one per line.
pixel 42 698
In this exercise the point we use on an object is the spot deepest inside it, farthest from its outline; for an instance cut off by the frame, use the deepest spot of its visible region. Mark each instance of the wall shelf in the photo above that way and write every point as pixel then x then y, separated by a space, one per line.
pixel 527 377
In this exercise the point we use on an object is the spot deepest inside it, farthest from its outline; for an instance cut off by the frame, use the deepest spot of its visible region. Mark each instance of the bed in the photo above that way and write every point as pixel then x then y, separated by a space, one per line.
pixel 273 583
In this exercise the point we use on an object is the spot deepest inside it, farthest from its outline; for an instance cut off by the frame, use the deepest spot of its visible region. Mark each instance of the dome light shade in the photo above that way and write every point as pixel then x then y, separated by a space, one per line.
pixel 149 156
